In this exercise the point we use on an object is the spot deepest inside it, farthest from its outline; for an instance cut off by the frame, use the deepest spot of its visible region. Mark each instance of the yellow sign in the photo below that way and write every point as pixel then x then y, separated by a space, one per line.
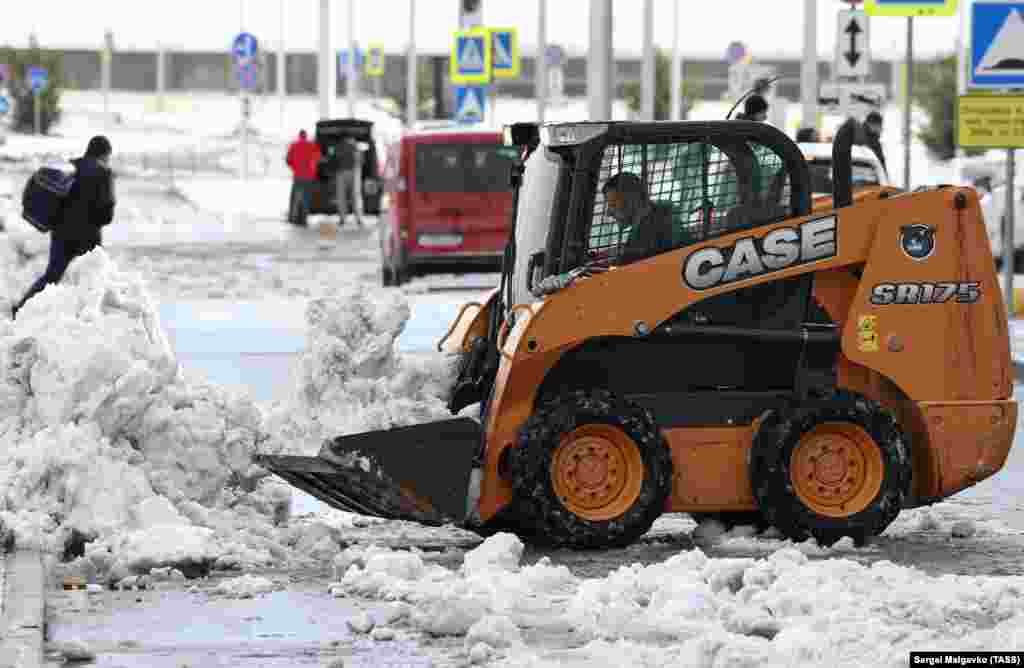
pixel 471 56
pixel 910 7
pixel 867 333
pixel 990 121
pixel 374 60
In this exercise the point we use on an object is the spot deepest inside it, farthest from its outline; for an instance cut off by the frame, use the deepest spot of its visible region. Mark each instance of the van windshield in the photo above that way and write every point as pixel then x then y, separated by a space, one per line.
pixel 474 168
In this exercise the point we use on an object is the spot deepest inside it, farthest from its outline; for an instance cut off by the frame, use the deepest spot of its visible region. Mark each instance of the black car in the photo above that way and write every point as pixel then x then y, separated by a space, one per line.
pixel 329 134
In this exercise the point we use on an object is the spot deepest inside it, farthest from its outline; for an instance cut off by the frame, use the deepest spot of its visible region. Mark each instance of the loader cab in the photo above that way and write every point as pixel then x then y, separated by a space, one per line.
pixel 704 179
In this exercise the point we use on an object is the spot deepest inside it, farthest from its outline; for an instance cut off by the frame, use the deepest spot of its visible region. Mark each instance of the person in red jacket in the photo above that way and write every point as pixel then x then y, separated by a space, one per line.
pixel 303 156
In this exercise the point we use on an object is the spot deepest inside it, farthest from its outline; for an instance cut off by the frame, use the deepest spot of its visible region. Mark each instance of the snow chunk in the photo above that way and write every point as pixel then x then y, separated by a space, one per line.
pixel 246 586
pixel 963 529
pixel 361 623
pixel 502 551
pixel 450 615
pixel 75 650
pixel 381 633
pixel 496 631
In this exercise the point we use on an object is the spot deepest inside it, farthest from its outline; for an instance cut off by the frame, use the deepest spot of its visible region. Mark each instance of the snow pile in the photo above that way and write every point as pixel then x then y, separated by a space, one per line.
pixel 106 451
pixel 111 456
pixel 350 380
pixel 782 610
pixel 487 596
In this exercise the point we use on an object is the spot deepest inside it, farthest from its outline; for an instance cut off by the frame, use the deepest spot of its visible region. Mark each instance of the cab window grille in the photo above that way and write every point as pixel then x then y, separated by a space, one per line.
pixel 699 190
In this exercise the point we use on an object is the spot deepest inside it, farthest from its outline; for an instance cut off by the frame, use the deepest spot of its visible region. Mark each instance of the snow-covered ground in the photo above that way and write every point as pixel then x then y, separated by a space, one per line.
pixel 117 455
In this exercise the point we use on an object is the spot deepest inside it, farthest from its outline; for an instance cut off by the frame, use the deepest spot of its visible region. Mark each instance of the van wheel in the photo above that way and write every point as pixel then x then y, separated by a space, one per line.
pixel 590 470
pixel 834 469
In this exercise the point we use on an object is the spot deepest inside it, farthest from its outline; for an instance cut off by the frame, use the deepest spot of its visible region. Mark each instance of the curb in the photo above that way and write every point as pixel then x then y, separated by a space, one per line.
pixel 22 624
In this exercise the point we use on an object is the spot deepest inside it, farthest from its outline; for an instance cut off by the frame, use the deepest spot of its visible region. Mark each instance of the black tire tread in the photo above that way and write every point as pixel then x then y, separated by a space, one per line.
pixel 779 433
pixel 541 517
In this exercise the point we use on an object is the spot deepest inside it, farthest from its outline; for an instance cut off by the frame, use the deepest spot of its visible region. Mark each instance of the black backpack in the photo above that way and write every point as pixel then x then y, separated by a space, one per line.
pixel 45 194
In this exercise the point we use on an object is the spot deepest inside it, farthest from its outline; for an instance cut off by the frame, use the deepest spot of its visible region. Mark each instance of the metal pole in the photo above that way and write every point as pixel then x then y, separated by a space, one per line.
pixel 245 137
pixel 962 59
pixel 907 103
pixel 37 118
pixel 412 70
pixel 600 61
pixel 161 82
pixel 282 71
pixel 647 74
pixel 108 56
pixel 326 66
pixel 353 71
pixel 809 67
pixel 1008 229
pixel 541 60
pixel 677 67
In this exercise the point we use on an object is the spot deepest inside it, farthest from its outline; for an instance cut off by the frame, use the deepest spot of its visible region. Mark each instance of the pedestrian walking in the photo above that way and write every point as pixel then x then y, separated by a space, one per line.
pixel 88 208
pixel 303 157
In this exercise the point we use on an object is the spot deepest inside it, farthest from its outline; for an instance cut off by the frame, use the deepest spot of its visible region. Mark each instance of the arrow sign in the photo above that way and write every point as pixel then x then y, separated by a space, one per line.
pixel 853 55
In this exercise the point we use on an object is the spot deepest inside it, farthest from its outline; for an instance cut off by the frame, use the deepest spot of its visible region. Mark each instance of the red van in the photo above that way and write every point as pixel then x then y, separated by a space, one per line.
pixel 451 203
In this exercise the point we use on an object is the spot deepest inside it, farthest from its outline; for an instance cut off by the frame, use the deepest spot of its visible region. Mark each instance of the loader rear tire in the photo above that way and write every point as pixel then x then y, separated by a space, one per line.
pixel 830 470
pixel 590 470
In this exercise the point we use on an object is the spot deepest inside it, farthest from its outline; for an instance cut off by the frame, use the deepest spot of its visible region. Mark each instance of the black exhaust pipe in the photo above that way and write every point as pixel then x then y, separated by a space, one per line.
pixel 842 164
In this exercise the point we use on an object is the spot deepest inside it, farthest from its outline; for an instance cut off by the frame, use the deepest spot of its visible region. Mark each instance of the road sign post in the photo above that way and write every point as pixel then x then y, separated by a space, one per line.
pixel 997 64
pixel 244 52
pixel 909 9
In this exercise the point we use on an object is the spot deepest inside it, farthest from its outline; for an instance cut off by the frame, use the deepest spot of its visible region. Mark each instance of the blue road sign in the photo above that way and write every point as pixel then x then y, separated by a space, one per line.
pixel 38 78
pixel 470 103
pixel 505 54
pixel 471 57
pixel 997 45
pixel 244 48
pixel 5 106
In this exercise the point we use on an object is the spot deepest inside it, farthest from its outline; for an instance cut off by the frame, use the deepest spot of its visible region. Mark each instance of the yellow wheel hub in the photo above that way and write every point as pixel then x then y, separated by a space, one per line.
pixel 836 469
pixel 597 472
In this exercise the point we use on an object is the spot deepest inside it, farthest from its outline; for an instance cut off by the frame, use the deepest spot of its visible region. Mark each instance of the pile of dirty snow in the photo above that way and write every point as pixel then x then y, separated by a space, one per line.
pixel 110 456
pixel 349 378
pixel 692 610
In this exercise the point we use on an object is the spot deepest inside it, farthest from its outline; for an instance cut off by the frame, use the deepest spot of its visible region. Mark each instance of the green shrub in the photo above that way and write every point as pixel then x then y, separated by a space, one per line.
pixel 19 61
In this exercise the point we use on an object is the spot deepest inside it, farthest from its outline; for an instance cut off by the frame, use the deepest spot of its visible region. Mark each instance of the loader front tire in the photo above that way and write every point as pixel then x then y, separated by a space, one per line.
pixel 834 469
pixel 590 470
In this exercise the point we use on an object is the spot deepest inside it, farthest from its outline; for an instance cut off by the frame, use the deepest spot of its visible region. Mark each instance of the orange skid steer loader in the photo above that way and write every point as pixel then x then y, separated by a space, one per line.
pixel 679 329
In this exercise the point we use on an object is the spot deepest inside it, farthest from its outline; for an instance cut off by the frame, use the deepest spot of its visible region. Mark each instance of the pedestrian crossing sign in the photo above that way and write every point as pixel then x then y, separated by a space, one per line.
pixel 471 57
pixel 504 53
pixel 470 103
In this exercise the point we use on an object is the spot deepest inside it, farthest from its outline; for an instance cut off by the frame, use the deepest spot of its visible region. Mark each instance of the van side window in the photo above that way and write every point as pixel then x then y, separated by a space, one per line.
pixel 691 192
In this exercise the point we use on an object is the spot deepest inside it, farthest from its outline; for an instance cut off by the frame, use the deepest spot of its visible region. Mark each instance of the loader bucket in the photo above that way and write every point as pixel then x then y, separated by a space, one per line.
pixel 419 473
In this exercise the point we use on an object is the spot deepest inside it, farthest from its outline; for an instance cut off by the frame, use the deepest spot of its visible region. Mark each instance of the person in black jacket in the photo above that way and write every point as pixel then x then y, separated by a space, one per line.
pixel 89 207
pixel 869 134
